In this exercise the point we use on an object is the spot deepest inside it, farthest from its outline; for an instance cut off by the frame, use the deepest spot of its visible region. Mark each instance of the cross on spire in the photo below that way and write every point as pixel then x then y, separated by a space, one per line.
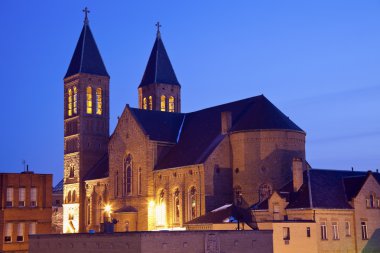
pixel 158 25
pixel 86 11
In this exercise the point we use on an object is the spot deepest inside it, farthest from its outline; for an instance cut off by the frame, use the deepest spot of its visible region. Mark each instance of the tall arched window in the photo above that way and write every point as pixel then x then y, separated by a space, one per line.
pixel 74 197
pixel 139 189
pixel 171 104
pixel 69 102
pixel 150 103
pixel 161 209
pixel 192 203
pixel 75 102
pixel 69 197
pixel 116 184
pixel 127 175
pixel 163 103
pixel 89 100
pixel 176 206
pixel 145 105
pixel 88 211
pixel 99 101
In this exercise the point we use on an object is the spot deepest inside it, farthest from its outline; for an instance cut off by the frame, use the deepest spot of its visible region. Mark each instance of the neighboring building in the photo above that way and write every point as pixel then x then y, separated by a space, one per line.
pixel 162 168
pixel 57 210
pixel 156 242
pixel 25 208
pixel 331 210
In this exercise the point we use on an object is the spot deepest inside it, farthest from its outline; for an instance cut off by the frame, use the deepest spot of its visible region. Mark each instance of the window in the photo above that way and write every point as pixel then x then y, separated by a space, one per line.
pixel 33 197
pixel 139 189
pixel 20 232
pixel 265 190
pixel 73 196
pixel 32 228
pixel 69 102
pixel 276 208
pixel 238 196
pixel 21 197
pixel 347 226
pixel 129 180
pixel 286 233
pixel 89 100
pixel 71 172
pixel 127 175
pixel 176 203
pixel 150 103
pixel 9 201
pixel 75 102
pixel 145 105
pixel 192 203
pixel 171 104
pixel 8 232
pixel 69 197
pixel 323 230
pixel 116 184
pixel 364 230
pixel 163 103
pixel 88 211
pixel 99 102
pixel 335 230
pixel 308 232
pixel 161 209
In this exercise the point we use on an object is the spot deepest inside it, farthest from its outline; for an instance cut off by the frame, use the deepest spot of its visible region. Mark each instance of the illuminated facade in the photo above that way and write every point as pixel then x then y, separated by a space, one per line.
pixel 161 168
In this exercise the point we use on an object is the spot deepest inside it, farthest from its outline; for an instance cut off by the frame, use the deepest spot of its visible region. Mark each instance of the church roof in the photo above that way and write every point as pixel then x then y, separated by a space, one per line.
pixel 200 131
pixel 99 170
pixel 159 69
pixel 86 57
pixel 328 189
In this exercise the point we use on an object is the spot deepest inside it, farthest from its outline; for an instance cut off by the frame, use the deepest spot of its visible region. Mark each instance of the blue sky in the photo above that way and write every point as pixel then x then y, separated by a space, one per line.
pixel 318 61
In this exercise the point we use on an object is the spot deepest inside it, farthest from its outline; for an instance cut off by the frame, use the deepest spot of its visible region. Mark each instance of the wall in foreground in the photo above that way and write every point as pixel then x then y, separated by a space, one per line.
pixel 156 242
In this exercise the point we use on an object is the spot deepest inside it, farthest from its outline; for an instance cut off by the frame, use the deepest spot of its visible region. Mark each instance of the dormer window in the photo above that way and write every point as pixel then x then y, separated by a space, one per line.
pixel 372 201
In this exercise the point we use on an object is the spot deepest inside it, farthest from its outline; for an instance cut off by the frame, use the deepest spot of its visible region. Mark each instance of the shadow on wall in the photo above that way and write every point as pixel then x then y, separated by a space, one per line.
pixel 373 244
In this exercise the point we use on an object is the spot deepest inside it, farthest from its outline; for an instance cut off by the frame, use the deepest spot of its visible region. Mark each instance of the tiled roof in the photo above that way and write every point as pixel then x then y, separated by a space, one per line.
pixel 201 130
pixel 59 187
pixel 160 126
pixel 100 169
pixel 86 57
pixel 159 69
pixel 330 189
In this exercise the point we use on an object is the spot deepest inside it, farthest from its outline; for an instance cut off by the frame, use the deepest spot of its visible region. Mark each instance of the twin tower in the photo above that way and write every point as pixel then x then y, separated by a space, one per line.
pixel 86 112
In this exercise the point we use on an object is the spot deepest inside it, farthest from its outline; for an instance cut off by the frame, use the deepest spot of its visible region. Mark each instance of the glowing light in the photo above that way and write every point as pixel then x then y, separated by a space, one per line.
pixel 151 204
pixel 108 208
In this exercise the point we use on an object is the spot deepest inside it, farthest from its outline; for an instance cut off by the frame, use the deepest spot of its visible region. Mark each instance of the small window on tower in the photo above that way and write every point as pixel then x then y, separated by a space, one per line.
pixel 163 103
pixel 75 102
pixel 70 103
pixel 171 104
pixel 145 106
pixel 150 103
pixel 89 100
pixel 99 105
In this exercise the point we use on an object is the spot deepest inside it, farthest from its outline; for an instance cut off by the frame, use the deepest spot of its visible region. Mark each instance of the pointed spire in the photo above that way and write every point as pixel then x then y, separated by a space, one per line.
pixel 86 57
pixel 159 69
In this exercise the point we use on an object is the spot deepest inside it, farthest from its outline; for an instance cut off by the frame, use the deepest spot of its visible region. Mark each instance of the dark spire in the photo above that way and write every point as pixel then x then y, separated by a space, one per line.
pixel 159 69
pixel 86 57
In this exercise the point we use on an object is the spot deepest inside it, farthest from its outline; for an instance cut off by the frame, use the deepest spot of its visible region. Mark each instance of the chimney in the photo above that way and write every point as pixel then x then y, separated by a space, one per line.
pixel 226 121
pixel 297 168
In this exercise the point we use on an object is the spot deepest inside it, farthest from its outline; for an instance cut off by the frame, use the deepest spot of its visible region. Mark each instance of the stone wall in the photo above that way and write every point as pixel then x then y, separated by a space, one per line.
pixel 156 242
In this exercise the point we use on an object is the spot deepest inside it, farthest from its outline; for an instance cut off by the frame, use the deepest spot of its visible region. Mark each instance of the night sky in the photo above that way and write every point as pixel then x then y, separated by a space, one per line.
pixel 318 61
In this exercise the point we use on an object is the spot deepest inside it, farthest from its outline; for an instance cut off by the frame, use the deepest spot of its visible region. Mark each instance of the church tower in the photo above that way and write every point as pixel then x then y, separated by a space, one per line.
pixel 159 88
pixel 86 124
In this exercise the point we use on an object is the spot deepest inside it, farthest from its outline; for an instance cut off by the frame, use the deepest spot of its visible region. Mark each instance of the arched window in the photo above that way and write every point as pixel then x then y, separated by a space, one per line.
pixel 75 102
pixel 89 100
pixel 176 206
pixel 69 197
pixel 116 184
pixel 127 175
pixel 69 102
pixel 139 189
pixel 150 103
pixel 161 209
pixel 73 197
pixel 99 101
pixel 71 172
pixel 88 211
pixel 192 203
pixel 163 103
pixel 371 201
pixel 171 104
pixel 145 105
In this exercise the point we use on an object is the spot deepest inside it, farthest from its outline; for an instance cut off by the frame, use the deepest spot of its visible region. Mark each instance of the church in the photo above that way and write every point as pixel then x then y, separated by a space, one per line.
pixel 161 168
